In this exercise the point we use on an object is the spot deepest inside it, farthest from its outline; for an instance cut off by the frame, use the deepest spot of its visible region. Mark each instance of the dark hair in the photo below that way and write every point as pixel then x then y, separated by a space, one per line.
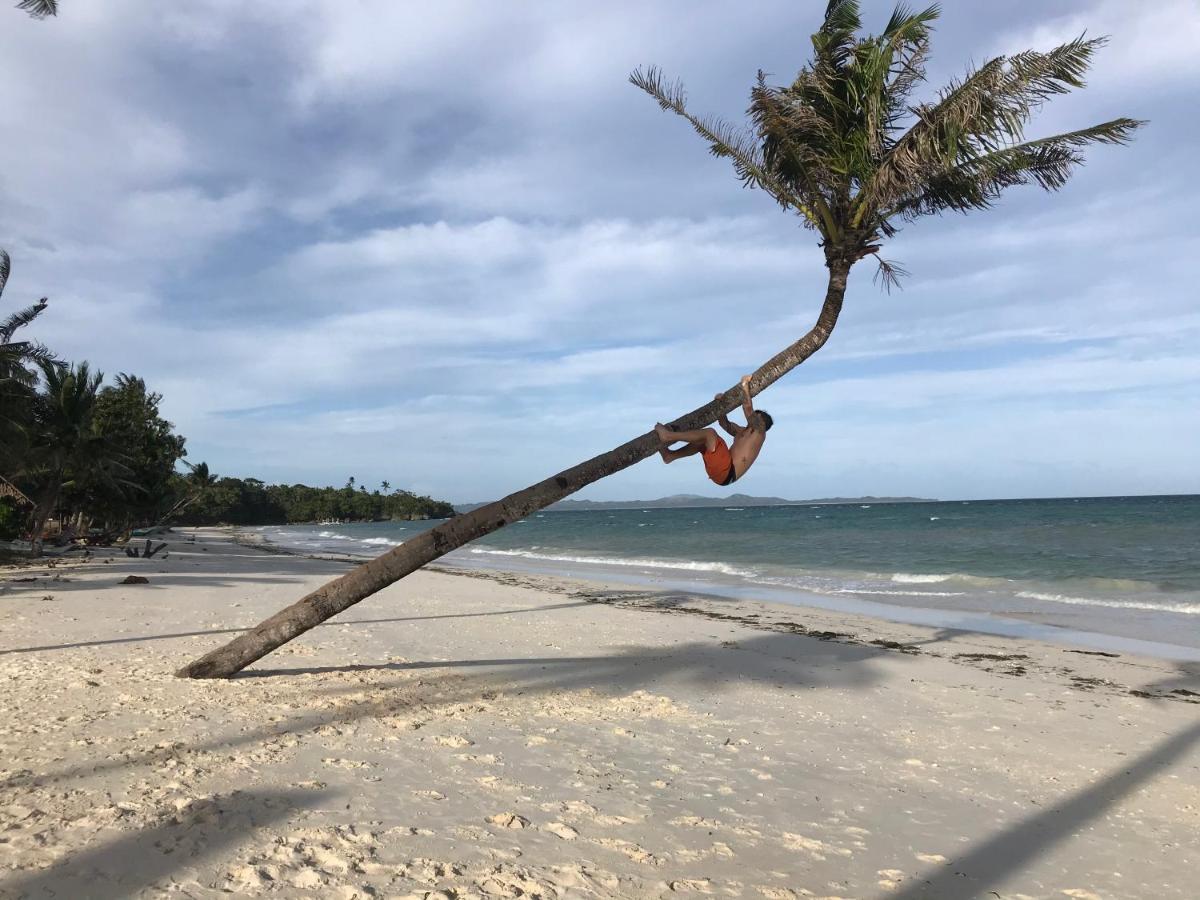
pixel 765 418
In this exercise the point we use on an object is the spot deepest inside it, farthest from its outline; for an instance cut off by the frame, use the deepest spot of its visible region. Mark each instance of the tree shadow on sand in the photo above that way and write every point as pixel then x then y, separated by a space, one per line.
pixel 782 661
pixel 148 857
pixel 332 623
pixel 773 659
pixel 1186 683
pixel 996 860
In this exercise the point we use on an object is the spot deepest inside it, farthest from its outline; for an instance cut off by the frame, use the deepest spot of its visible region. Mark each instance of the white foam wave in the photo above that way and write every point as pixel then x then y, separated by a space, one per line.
pixel 1190 609
pixel 901 593
pixel 382 540
pixel 906 578
pixel 647 563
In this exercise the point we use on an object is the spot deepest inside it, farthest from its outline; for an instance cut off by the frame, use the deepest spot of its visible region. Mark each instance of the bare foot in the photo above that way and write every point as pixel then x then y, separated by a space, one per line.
pixel 665 454
pixel 664 433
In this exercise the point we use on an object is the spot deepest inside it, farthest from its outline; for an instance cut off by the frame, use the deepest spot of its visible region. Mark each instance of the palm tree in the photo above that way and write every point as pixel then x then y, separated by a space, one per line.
pixel 39 9
pixel 17 356
pixel 199 481
pixel 66 447
pixel 17 376
pixel 385 485
pixel 200 477
pixel 844 147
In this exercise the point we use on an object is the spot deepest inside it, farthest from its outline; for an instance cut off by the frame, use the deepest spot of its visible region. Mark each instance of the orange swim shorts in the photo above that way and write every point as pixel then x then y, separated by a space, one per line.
pixel 718 463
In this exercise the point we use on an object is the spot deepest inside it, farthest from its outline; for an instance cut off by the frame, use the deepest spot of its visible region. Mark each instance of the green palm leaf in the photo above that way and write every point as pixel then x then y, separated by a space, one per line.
pixel 844 147
pixel 39 9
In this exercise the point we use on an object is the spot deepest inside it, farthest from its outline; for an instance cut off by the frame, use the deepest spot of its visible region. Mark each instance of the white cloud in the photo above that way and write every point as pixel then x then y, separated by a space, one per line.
pixel 1148 41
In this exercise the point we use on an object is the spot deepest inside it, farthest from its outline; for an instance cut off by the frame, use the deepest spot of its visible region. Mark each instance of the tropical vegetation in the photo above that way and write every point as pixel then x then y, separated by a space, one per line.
pixel 100 458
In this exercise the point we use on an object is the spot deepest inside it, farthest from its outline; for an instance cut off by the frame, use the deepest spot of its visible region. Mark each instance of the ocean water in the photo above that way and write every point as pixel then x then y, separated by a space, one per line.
pixel 1127 568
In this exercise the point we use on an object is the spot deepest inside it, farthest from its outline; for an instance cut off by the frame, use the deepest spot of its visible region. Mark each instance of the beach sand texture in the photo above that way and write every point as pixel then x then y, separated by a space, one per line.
pixel 468 736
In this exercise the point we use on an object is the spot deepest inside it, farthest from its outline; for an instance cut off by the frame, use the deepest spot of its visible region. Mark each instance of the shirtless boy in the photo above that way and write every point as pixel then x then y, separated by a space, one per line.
pixel 724 465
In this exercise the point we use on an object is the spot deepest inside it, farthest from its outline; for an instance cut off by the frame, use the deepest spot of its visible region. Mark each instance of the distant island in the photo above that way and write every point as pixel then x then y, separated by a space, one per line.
pixel 693 501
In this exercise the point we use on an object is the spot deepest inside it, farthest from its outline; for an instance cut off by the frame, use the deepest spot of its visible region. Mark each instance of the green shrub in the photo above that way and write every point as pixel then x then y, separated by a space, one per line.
pixel 11 519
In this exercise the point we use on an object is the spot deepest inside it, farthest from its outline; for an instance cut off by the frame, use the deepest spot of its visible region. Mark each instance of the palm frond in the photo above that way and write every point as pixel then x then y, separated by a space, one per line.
pixel 31 352
pixel 39 9
pixel 20 319
pixel 796 142
pixel 723 139
pixel 843 145
pixel 907 36
pixel 888 273
pixel 886 69
pixel 985 112
pixel 13 374
pixel 977 182
pixel 834 41
pixel 5 268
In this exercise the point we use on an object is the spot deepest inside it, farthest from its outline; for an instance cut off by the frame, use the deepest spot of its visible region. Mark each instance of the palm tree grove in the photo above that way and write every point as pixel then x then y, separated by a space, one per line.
pixel 97 461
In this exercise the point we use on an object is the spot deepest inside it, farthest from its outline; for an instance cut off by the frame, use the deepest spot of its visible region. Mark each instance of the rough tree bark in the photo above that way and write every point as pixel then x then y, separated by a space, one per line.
pixel 365 580
pixel 43 511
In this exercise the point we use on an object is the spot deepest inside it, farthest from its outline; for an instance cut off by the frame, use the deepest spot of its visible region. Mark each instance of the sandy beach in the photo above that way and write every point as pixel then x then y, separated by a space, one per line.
pixel 467 735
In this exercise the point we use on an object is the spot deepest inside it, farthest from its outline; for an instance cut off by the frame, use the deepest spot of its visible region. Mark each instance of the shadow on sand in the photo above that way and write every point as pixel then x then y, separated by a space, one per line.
pixel 330 624
pixel 1002 857
pixel 780 660
pixel 146 857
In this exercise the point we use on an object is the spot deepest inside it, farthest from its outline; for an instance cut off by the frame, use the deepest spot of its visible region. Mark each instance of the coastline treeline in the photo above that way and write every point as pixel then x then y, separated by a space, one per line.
pixel 248 501
pixel 90 458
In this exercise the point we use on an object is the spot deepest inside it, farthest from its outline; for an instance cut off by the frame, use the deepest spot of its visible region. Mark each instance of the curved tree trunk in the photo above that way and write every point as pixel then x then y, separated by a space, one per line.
pixel 366 579
pixel 42 513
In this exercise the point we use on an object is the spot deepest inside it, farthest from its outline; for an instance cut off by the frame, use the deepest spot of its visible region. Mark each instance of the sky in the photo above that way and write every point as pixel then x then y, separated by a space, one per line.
pixel 451 247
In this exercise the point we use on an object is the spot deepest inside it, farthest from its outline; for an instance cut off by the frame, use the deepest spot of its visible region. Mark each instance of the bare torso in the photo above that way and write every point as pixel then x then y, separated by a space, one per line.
pixel 745 448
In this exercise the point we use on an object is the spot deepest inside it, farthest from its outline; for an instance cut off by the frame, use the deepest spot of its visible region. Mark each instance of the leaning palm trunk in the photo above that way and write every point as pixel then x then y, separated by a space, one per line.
pixel 365 580
pixel 42 513
pixel 177 509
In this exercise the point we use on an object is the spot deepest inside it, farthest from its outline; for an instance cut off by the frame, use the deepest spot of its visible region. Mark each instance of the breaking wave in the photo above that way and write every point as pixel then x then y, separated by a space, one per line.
pixel 1188 609
pixel 646 563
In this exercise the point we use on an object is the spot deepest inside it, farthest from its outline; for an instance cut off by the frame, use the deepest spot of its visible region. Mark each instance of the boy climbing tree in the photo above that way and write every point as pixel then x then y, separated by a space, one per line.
pixel 724 464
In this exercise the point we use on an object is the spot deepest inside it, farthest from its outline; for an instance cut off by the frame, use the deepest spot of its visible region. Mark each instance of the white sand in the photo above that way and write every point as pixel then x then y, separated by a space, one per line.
pixel 460 736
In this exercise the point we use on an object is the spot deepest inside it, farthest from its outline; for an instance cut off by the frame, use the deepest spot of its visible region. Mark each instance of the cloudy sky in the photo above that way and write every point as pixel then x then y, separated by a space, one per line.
pixel 451 247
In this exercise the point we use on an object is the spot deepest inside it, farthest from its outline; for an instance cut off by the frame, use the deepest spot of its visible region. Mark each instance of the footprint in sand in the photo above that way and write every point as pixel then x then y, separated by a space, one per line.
pixel 508 820
pixel 562 830
pixel 630 849
pixel 486 759
pixel 818 849
pixel 345 763
pixel 889 879
pixel 697 885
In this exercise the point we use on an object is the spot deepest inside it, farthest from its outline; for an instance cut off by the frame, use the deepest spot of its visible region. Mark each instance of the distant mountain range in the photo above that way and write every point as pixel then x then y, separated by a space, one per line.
pixel 690 501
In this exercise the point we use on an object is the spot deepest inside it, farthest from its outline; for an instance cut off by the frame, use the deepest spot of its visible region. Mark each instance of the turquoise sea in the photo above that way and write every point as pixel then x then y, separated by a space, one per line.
pixel 1119 570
